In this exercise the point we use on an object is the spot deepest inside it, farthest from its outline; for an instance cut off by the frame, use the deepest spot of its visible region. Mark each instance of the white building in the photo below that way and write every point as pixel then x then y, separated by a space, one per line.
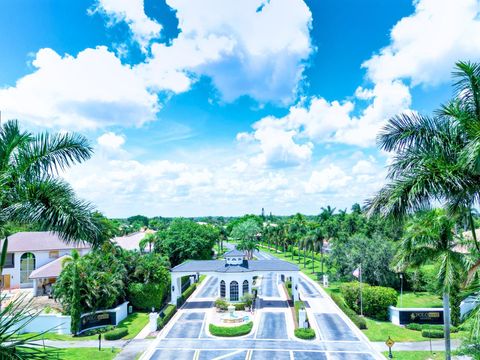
pixel 34 252
pixel 235 274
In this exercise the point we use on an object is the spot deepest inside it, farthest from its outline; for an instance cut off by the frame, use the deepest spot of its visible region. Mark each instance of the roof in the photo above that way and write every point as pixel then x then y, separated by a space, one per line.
pixel 234 252
pixel 131 241
pixel 40 241
pixel 221 266
pixel 50 270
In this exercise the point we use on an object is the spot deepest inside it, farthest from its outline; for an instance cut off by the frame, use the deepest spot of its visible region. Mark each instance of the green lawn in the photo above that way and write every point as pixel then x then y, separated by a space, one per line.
pixel 89 353
pixel 134 323
pixel 381 330
pixel 416 355
pixel 419 299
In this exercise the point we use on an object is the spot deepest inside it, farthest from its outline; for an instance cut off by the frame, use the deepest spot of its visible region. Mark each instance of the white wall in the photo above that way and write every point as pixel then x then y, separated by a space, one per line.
pixel 60 324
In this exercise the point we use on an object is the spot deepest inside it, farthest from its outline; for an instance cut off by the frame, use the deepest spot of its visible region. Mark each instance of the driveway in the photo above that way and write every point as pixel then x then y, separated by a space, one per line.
pixel 185 337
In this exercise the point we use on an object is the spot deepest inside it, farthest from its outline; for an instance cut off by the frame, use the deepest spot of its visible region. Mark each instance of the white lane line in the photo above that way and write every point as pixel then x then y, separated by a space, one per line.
pixel 291 355
pixel 203 325
pixel 227 355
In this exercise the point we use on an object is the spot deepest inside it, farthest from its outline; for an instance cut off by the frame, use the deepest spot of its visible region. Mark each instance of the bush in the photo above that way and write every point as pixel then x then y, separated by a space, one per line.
pixel 116 334
pixel 97 331
pixel 432 333
pixel 247 299
pixel 306 334
pixel 376 299
pixel 168 313
pixel 186 294
pixel 230 331
pixel 221 304
pixel 414 326
pixel 239 306
pixel 146 296
pixel 360 322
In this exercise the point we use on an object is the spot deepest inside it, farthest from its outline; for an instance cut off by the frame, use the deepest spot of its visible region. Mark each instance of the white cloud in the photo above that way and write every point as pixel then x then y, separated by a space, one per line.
pixel 91 90
pixel 111 141
pixel 132 12
pixel 330 178
pixel 250 47
pixel 425 45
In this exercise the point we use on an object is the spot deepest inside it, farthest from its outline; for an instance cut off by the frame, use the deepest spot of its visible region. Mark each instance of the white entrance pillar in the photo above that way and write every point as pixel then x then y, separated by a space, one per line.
pixel 295 287
pixel 175 287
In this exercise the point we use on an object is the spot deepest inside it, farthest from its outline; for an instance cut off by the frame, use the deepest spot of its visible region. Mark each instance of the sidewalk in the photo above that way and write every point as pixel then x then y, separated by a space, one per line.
pixel 437 345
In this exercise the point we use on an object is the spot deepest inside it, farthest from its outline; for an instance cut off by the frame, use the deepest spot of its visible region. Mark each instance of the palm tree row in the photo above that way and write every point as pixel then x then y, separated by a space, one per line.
pixel 436 160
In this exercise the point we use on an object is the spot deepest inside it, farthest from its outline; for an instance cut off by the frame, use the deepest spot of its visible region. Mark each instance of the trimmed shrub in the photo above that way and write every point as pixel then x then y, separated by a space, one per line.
pixel 432 333
pixel 221 304
pixel 145 296
pixel 116 334
pixel 186 294
pixel 376 299
pixel 360 322
pixel 230 331
pixel 239 306
pixel 414 326
pixel 168 313
pixel 305 334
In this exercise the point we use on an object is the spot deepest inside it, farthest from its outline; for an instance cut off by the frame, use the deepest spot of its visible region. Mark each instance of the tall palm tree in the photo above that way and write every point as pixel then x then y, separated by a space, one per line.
pixel 430 238
pixel 436 159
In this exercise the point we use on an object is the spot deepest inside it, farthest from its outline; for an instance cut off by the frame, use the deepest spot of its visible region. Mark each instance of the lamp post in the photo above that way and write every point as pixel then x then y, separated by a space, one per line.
pixel 401 289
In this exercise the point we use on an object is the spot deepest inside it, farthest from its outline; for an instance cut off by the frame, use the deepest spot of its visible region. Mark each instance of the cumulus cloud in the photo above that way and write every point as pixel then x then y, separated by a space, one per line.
pixel 92 90
pixel 251 47
pixel 132 12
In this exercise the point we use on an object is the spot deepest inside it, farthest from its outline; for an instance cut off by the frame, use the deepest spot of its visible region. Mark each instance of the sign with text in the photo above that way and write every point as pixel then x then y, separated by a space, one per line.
pixel 103 318
pixel 421 317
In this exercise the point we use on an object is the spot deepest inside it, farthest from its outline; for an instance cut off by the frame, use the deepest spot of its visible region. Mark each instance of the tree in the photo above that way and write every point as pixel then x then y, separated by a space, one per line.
pixel 436 158
pixel 429 237
pixel 246 235
pixel 148 239
pixel 185 239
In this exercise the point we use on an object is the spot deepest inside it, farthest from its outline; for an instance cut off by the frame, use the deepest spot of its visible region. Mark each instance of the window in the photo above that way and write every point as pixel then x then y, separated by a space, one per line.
pixel 222 289
pixel 53 254
pixel 245 287
pixel 234 291
pixel 9 261
pixel 27 265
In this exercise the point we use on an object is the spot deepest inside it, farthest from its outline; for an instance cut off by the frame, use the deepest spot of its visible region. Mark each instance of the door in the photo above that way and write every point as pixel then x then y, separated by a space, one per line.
pixel 6 281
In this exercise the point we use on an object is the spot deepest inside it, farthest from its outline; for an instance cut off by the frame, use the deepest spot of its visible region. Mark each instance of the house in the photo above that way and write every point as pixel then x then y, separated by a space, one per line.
pixel 34 259
pixel 132 241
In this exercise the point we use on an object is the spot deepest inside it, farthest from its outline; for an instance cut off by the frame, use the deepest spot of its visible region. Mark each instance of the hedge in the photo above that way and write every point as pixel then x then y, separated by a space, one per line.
pixel 376 299
pixel 116 334
pixel 186 294
pixel 306 334
pixel 145 296
pixel 420 327
pixel 230 331
pixel 432 333
pixel 360 322
pixel 168 313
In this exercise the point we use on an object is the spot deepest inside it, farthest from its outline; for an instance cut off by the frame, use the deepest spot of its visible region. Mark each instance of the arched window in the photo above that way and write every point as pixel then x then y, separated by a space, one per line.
pixel 222 289
pixel 234 291
pixel 27 265
pixel 245 287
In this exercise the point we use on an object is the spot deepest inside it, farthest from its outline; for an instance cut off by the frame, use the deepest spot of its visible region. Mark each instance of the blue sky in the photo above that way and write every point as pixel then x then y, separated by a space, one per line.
pixel 221 107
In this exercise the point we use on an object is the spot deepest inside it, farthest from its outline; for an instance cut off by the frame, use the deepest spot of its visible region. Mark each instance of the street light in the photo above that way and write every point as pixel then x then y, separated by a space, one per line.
pixel 401 289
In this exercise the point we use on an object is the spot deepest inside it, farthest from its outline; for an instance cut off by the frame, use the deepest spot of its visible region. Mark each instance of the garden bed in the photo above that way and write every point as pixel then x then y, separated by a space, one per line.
pixel 230 331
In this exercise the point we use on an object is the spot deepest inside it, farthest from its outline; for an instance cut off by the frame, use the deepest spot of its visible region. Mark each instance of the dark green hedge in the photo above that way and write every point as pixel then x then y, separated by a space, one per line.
pixel 227 331
pixel 357 320
pixel 115 334
pixel 432 333
pixel 145 296
pixel 376 299
pixel 168 313
pixel 306 334
pixel 420 327
pixel 186 294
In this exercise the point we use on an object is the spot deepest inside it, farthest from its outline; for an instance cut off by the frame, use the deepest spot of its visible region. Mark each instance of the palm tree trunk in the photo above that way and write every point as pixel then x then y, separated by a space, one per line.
pixel 321 255
pixel 472 228
pixel 304 257
pixel 313 261
pixel 446 322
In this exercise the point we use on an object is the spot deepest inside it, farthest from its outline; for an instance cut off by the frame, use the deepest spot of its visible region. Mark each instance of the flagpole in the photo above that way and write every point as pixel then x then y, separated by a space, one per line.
pixel 361 297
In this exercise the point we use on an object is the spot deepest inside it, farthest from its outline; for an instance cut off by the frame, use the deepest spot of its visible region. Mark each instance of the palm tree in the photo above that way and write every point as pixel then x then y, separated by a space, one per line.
pixel 436 158
pixel 430 238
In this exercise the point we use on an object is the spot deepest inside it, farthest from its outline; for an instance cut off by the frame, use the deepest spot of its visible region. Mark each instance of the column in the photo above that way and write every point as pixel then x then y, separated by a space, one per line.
pixel 176 288
pixel 295 287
